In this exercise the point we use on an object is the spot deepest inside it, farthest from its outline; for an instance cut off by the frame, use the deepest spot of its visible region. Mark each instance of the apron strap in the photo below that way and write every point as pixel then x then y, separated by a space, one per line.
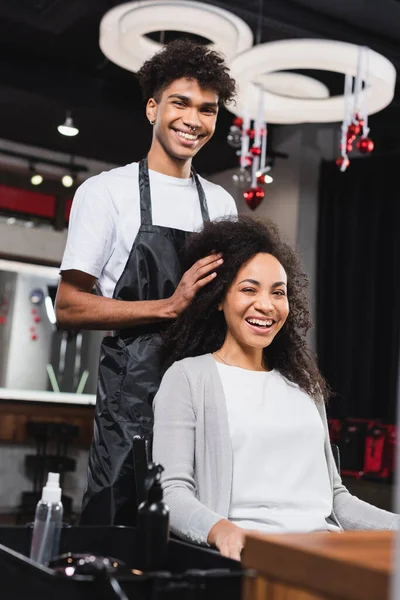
pixel 202 197
pixel 146 215
pixel 145 197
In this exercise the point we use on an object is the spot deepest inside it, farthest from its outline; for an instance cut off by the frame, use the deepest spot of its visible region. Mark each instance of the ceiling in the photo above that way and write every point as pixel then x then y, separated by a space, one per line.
pixel 50 61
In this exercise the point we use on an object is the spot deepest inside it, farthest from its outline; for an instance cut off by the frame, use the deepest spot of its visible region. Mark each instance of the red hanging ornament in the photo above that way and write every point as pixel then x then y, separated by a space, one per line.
pixel 342 163
pixel 359 120
pixel 238 121
pixel 348 147
pixel 253 197
pixel 365 145
pixel 245 161
pixel 251 133
pixel 33 337
pixel 353 130
pixel 255 150
pixel 2 320
pixel 261 179
pixel 37 319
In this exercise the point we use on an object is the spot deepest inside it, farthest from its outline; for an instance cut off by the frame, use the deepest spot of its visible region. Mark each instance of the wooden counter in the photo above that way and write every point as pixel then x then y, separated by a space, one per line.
pixel 14 415
pixel 319 566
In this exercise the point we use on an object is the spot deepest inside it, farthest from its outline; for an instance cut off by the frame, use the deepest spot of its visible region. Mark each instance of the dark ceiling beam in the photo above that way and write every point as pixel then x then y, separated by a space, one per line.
pixel 289 19
pixel 51 16
pixel 69 85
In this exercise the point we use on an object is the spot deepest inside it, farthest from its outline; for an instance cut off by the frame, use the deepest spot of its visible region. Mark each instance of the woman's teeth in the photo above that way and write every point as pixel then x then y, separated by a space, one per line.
pixel 260 323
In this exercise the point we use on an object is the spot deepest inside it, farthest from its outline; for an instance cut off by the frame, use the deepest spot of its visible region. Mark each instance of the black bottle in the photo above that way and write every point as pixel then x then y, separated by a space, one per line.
pixel 153 524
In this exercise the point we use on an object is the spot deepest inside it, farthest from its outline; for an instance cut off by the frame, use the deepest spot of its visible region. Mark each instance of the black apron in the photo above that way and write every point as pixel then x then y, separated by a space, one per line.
pixel 130 371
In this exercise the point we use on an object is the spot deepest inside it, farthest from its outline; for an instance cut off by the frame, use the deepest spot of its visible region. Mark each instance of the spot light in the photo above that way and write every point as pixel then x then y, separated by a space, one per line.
pixel 36 178
pixel 67 181
pixel 68 128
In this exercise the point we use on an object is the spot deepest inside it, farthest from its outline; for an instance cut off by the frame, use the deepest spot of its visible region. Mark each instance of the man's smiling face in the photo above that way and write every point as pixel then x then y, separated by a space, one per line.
pixel 185 116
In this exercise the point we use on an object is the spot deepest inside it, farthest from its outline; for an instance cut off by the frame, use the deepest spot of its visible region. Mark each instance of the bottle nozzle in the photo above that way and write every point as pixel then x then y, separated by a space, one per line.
pixel 52 491
pixel 53 479
pixel 152 482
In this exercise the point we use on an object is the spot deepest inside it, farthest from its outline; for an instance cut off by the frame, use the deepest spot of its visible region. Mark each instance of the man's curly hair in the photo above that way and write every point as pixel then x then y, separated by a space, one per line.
pixel 183 58
pixel 201 328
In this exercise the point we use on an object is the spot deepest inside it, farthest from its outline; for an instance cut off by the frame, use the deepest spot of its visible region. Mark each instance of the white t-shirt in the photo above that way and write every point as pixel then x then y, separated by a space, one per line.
pixel 105 218
pixel 280 474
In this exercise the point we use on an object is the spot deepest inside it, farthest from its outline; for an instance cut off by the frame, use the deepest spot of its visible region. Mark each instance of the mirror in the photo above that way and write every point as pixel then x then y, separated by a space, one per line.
pixel 38 360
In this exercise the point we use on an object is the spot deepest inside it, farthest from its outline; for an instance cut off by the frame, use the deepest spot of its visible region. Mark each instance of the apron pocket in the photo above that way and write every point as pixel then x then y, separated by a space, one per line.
pixel 112 369
pixel 141 380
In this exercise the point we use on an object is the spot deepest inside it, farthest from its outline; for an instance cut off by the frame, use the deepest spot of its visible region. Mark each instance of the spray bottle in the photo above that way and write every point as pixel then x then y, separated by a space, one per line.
pixel 48 521
pixel 153 524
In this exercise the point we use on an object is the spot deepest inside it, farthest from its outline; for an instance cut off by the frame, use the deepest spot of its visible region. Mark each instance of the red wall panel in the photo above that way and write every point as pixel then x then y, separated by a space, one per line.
pixel 27 202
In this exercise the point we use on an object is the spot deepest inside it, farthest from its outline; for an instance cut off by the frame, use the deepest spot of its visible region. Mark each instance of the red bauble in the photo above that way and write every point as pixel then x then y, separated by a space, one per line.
pixel 359 120
pixel 340 161
pixel 353 130
pixel 245 161
pixel 238 121
pixel 365 145
pixel 37 319
pixel 251 133
pixel 253 197
pixel 261 179
pixel 349 147
pixel 255 150
pixel 34 337
pixel 2 320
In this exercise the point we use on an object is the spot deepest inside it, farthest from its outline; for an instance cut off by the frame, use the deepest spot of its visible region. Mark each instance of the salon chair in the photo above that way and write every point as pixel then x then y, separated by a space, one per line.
pixel 142 455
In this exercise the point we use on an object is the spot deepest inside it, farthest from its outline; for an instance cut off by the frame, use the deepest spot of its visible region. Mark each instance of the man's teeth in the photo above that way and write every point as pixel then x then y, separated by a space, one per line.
pixel 187 136
pixel 260 323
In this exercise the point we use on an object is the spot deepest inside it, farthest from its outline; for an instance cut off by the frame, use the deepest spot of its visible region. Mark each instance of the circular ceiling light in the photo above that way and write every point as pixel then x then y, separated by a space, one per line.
pixel 292 85
pixel 123 29
pixel 325 55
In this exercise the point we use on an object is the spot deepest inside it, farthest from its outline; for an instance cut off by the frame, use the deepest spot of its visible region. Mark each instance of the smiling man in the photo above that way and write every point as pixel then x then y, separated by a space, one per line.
pixel 126 232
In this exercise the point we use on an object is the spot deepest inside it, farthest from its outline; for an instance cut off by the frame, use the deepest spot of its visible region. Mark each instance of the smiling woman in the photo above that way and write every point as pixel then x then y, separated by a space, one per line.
pixel 240 423
pixel 260 278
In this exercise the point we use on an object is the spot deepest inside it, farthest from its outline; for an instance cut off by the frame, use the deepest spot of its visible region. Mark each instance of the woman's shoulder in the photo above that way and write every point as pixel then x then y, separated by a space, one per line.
pixel 187 378
pixel 192 366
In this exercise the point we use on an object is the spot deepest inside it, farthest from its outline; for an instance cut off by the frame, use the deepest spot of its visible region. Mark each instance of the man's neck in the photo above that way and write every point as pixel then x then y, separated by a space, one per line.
pixel 159 161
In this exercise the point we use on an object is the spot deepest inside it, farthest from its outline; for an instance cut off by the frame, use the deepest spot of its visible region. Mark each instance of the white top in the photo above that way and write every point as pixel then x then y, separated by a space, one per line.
pixel 105 218
pixel 280 474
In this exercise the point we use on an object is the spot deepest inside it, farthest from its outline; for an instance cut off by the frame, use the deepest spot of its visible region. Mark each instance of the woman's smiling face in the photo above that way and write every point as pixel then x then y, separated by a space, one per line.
pixel 256 305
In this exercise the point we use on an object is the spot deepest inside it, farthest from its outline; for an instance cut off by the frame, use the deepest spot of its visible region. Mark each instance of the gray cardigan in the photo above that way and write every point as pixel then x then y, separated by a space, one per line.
pixel 192 442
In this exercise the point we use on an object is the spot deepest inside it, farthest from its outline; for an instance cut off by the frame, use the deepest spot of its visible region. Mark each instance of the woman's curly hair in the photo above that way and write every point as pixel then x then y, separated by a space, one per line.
pixel 183 58
pixel 201 328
